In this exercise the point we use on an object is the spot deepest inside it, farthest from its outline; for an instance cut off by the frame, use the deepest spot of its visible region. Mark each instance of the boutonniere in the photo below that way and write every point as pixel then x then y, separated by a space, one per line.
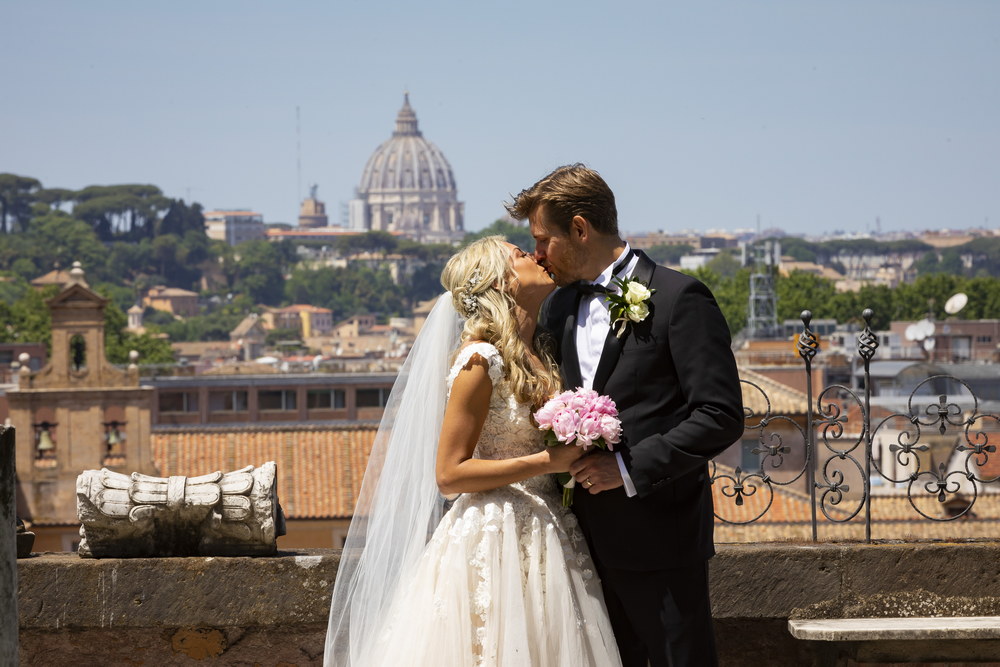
pixel 632 305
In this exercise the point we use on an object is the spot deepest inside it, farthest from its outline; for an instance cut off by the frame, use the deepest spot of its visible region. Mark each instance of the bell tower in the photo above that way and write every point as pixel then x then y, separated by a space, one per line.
pixel 79 412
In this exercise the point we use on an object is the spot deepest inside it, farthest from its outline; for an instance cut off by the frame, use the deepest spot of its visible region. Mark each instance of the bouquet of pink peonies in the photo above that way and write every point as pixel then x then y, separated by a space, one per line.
pixel 583 418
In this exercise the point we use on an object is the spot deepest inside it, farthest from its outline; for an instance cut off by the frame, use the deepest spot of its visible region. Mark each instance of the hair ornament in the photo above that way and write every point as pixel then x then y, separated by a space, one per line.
pixel 469 300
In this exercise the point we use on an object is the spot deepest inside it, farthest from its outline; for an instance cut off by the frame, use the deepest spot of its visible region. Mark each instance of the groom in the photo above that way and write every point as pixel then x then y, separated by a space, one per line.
pixel 648 515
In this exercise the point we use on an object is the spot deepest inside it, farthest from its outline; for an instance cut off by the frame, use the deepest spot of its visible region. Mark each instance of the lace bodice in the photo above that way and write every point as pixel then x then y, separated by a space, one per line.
pixel 506 578
pixel 508 431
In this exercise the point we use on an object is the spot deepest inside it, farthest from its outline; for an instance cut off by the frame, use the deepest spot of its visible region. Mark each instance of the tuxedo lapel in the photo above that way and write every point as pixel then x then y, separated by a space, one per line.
pixel 570 357
pixel 613 344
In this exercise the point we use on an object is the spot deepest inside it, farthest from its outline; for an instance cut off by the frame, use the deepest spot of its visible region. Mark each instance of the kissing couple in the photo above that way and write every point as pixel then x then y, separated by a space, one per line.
pixel 461 552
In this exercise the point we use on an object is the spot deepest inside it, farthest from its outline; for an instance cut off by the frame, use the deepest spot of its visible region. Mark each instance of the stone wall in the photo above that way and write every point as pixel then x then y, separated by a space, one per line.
pixel 273 611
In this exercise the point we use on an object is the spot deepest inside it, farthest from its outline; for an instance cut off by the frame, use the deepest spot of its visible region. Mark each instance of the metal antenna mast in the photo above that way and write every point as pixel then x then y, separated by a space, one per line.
pixel 762 312
pixel 298 157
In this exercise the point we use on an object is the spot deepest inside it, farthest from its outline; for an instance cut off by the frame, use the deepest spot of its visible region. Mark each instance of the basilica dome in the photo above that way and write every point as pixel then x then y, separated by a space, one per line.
pixel 407 186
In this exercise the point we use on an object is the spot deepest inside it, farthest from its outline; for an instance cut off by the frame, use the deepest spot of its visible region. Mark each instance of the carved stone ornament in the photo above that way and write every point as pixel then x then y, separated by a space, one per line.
pixel 231 514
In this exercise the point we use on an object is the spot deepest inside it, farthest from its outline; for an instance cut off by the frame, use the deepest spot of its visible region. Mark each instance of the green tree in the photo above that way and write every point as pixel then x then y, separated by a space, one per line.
pixel 57 239
pixel 951 262
pixel 517 234
pixel 54 198
pixel 725 265
pixel 129 212
pixel 28 319
pixel 213 325
pixel 357 289
pixel 130 262
pixel 260 269
pixel 668 254
pixel 165 252
pixel 181 219
pixel 16 198
pixel 374 242
pixel 984 298
pixel 799 291
pixel 118 342
pixel 732 295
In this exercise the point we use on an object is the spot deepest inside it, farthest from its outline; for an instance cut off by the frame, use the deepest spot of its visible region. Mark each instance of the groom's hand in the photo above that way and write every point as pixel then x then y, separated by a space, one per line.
pixel 597 472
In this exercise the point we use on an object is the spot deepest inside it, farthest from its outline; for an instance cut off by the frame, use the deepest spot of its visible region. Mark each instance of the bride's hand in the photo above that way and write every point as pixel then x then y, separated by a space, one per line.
pixel 562 456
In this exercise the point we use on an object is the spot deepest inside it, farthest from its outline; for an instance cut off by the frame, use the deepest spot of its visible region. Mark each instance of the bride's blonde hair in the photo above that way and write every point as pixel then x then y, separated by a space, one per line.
pixel 480 278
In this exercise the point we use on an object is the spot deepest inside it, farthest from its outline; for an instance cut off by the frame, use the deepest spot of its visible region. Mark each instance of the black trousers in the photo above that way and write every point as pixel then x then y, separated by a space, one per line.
pixel 661 618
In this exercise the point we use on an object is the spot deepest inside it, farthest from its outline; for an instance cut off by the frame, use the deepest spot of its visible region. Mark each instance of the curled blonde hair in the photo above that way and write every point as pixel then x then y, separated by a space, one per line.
pixel 480 279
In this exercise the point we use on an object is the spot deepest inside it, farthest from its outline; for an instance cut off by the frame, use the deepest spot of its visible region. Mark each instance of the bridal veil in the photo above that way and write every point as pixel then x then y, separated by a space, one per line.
pixel 399 504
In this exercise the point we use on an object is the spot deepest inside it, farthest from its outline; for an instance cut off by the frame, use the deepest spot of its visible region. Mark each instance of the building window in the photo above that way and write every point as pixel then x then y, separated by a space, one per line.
pixel 227 401
pixel 984 339
pixel 326 399
pixel 276 399
pixel 78 353
pixel 179 401
pixel 372 398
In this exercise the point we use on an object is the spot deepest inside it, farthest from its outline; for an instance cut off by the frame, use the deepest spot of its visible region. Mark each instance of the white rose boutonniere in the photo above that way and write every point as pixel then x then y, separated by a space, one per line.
pixel 632 305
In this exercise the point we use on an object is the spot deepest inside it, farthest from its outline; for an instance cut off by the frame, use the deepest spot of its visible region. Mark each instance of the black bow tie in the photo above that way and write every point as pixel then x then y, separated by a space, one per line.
pixel 583 287
pixel 588 288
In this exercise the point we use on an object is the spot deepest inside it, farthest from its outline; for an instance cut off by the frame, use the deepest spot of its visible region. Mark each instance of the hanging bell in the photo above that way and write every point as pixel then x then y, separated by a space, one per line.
pixel 45 444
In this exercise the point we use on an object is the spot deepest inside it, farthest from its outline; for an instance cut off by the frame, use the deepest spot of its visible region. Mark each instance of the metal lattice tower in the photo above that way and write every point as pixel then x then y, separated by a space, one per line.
pixel 762 311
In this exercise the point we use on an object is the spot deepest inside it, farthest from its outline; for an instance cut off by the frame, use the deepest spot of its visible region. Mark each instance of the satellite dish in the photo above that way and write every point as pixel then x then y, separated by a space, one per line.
pixel 956 303
pixel 925 329
pixel 911 332
pixel 929 344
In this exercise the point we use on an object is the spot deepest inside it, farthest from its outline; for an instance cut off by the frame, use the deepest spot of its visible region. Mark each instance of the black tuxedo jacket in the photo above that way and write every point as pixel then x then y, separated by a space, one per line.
pixel 674 380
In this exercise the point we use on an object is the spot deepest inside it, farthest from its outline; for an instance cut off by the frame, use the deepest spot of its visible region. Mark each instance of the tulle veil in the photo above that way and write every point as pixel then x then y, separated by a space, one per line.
pixel 399 504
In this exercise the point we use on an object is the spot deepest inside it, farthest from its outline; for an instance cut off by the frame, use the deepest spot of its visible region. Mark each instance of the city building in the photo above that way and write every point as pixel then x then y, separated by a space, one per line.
pixel 54 277
pixel 308 320
pixel 78 412
pixel 180 302
pixel 312 214
pixel 408 186
pixel 650 239
pixel 235 226
pixel 248 337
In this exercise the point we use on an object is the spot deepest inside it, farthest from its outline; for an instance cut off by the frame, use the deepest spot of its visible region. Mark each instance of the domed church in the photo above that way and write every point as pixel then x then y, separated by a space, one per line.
pixel 408 187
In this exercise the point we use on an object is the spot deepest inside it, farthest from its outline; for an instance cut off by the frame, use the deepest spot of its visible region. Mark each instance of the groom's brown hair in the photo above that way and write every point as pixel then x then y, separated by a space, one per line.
pixel 566 192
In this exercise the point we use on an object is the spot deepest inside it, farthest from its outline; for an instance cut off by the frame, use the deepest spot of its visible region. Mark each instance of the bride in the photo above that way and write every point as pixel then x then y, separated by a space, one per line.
pixel 504 577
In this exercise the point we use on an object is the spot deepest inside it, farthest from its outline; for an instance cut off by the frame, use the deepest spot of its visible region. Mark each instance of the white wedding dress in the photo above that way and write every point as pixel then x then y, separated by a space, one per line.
pixel 506 578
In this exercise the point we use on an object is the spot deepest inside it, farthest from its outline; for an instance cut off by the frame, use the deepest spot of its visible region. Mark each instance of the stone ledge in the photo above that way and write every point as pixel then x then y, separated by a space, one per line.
pixel 897 629
pixel 856 580
pixel 62 590
pixel 271 610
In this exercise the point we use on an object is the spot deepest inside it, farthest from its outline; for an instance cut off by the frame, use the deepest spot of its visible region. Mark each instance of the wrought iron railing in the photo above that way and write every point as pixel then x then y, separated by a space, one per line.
pixel 933 447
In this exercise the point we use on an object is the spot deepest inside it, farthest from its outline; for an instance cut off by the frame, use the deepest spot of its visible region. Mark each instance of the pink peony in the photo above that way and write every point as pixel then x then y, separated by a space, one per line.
pixel 565 424
pixel 611 430
pixel 589 430
pixel 582 399
pixel 565 397
pixel 605 406
pixel 547 412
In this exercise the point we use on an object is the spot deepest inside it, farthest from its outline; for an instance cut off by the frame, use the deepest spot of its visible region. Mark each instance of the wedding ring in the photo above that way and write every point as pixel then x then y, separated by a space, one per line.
pixel 588 483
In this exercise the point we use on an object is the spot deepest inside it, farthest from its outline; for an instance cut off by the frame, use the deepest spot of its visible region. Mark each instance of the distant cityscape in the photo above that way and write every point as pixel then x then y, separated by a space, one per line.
pixel 146 334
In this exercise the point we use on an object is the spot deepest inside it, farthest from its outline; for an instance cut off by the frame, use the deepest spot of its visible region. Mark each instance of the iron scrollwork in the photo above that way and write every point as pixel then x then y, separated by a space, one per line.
pixel 909 453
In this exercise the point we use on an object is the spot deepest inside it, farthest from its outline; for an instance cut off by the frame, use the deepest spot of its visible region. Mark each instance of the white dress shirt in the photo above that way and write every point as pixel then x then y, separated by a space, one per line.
pixel 593 321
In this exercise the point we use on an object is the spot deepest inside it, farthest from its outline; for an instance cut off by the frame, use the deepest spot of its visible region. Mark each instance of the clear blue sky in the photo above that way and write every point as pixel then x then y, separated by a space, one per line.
pixel 812 115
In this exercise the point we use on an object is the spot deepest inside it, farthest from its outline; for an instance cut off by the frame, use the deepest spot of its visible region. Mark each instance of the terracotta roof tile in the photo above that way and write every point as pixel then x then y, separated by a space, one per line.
pixel 784 400
pixel 320 468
